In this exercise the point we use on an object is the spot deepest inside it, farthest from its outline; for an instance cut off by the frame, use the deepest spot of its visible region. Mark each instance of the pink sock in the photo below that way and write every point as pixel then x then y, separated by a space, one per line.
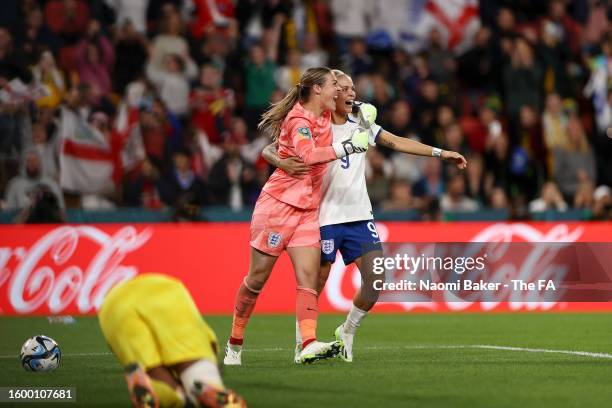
pixel 245 303
pixel 307 311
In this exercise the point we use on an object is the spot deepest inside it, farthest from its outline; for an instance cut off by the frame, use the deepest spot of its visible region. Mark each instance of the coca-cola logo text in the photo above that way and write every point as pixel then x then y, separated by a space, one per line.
pixel 46 274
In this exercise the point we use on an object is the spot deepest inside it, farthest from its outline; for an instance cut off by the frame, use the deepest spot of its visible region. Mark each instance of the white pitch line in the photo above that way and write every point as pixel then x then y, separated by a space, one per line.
pixel 462 346
pixel 63 355
pixel 407 347
pixel 536 350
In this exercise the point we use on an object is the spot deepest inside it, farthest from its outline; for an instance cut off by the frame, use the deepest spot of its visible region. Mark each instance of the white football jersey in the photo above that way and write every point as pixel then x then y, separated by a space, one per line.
pixel 345 196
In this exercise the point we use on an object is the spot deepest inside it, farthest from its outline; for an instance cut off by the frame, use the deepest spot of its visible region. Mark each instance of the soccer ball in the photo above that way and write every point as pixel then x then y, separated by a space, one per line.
pixel 40 353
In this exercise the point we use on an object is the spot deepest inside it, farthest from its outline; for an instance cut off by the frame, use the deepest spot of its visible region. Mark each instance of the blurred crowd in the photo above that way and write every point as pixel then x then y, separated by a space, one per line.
pixel 154 103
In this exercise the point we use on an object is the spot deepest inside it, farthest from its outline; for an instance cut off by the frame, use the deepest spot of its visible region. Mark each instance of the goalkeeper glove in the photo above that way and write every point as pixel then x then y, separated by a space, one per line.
pixel 369 112
pixel 358 143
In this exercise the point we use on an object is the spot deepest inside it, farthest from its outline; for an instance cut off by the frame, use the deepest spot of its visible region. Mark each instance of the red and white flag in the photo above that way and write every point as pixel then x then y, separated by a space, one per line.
pixel 409 22
pixel 127 132
pixel 86 157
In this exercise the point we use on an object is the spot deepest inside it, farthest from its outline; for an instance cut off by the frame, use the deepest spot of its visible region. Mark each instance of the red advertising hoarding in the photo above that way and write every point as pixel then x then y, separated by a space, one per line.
pixel 68 269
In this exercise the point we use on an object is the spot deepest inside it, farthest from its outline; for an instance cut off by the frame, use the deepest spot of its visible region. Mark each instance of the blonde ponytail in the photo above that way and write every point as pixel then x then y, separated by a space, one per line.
pixel 272 119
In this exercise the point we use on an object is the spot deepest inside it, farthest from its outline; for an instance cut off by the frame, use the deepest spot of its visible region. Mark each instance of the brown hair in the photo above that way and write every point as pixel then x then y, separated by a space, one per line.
pixel 273 118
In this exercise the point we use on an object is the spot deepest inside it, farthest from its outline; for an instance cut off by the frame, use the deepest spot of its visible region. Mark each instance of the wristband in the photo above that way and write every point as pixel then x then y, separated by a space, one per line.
pixel 436 152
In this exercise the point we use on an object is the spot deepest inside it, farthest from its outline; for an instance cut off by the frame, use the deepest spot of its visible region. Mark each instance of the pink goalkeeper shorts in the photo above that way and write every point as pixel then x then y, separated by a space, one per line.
pixel 276 226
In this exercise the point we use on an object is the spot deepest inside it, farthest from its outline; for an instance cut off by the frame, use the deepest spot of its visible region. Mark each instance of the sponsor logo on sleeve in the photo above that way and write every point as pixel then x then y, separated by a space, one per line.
pixel 305 132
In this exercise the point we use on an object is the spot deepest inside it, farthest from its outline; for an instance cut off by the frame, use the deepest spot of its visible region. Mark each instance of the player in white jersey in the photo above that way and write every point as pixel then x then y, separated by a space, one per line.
pixel 345 216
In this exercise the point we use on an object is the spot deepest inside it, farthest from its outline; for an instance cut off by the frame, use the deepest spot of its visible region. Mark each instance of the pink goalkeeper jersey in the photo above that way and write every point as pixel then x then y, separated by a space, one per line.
pixel 308 137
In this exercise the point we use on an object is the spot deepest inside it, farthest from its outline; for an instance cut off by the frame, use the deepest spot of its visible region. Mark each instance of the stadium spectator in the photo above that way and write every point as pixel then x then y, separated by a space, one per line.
pixel 555 57
pixel 288 75
pixel 445 117
pixel 454 140
pixel 400 119
pixel 172 82
pixel 44 207
pixel 212 105
pixel 426 107
pixel 455 198
pixel 350 20
pixel 182 180
pixel 357 61
pixel 94 58
pixel 170 41
pixel 440 58
pixel 475 180
pixel 528 133
pixel 396 121
pixel 489 127
pixel 232 180
pixel 313 55
pixel 522 78
pixel 382 93
pixel 497 164
pixel 68 19
pixel 506 23
pixel 12 61
pixel 602 208
pixel 143 189
pixel 130 12
pixel 378 173
pixel 554 121
pixel 408 170
pixel 187 208
pixel 584 197
pixel 571 31
pixel 499 199
pixel 212 16
pixel 431 186
pixel 160 130
pixel 400 198
pixel 47 75
pixel 47 150
pixel 131 51
pixel 550 199
pixel 574 160
pixel 259 82
pixel 34 37
pixel 20 190
pixel 596 26
pixel 479 66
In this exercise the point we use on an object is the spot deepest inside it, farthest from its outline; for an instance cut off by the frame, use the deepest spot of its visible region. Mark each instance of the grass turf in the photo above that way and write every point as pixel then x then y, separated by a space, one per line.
pixel 398 362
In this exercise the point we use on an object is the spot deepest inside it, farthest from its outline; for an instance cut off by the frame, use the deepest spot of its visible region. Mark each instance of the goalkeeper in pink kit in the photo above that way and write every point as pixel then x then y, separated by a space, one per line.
pixel 286 213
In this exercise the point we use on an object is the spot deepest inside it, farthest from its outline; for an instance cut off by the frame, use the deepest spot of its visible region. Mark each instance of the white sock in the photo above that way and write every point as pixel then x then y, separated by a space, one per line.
pixel 298 335
pixel 353 319
pixel 202 371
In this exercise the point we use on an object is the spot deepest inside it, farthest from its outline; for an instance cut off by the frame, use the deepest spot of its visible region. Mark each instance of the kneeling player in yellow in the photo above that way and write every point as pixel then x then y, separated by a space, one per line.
pixel 169 352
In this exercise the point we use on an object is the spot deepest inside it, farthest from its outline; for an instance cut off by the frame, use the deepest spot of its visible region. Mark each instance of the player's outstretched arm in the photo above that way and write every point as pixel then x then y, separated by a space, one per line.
pixel 293 166
pixel 306 149
pixel 404 145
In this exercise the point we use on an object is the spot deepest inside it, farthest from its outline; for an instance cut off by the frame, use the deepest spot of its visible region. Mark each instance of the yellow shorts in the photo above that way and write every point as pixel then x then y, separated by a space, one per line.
pixel 153 320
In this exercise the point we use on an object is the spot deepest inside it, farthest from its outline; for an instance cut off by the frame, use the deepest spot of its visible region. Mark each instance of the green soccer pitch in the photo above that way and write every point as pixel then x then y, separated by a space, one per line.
pixel 409 360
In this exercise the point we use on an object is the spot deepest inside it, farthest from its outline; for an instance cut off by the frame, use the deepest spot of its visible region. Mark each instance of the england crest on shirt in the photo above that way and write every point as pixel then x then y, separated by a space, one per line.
pixel 274 238
pixel 327 246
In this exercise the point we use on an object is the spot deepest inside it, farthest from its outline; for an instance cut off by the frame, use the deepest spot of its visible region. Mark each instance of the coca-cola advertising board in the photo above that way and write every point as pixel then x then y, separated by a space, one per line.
pixel 68 269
